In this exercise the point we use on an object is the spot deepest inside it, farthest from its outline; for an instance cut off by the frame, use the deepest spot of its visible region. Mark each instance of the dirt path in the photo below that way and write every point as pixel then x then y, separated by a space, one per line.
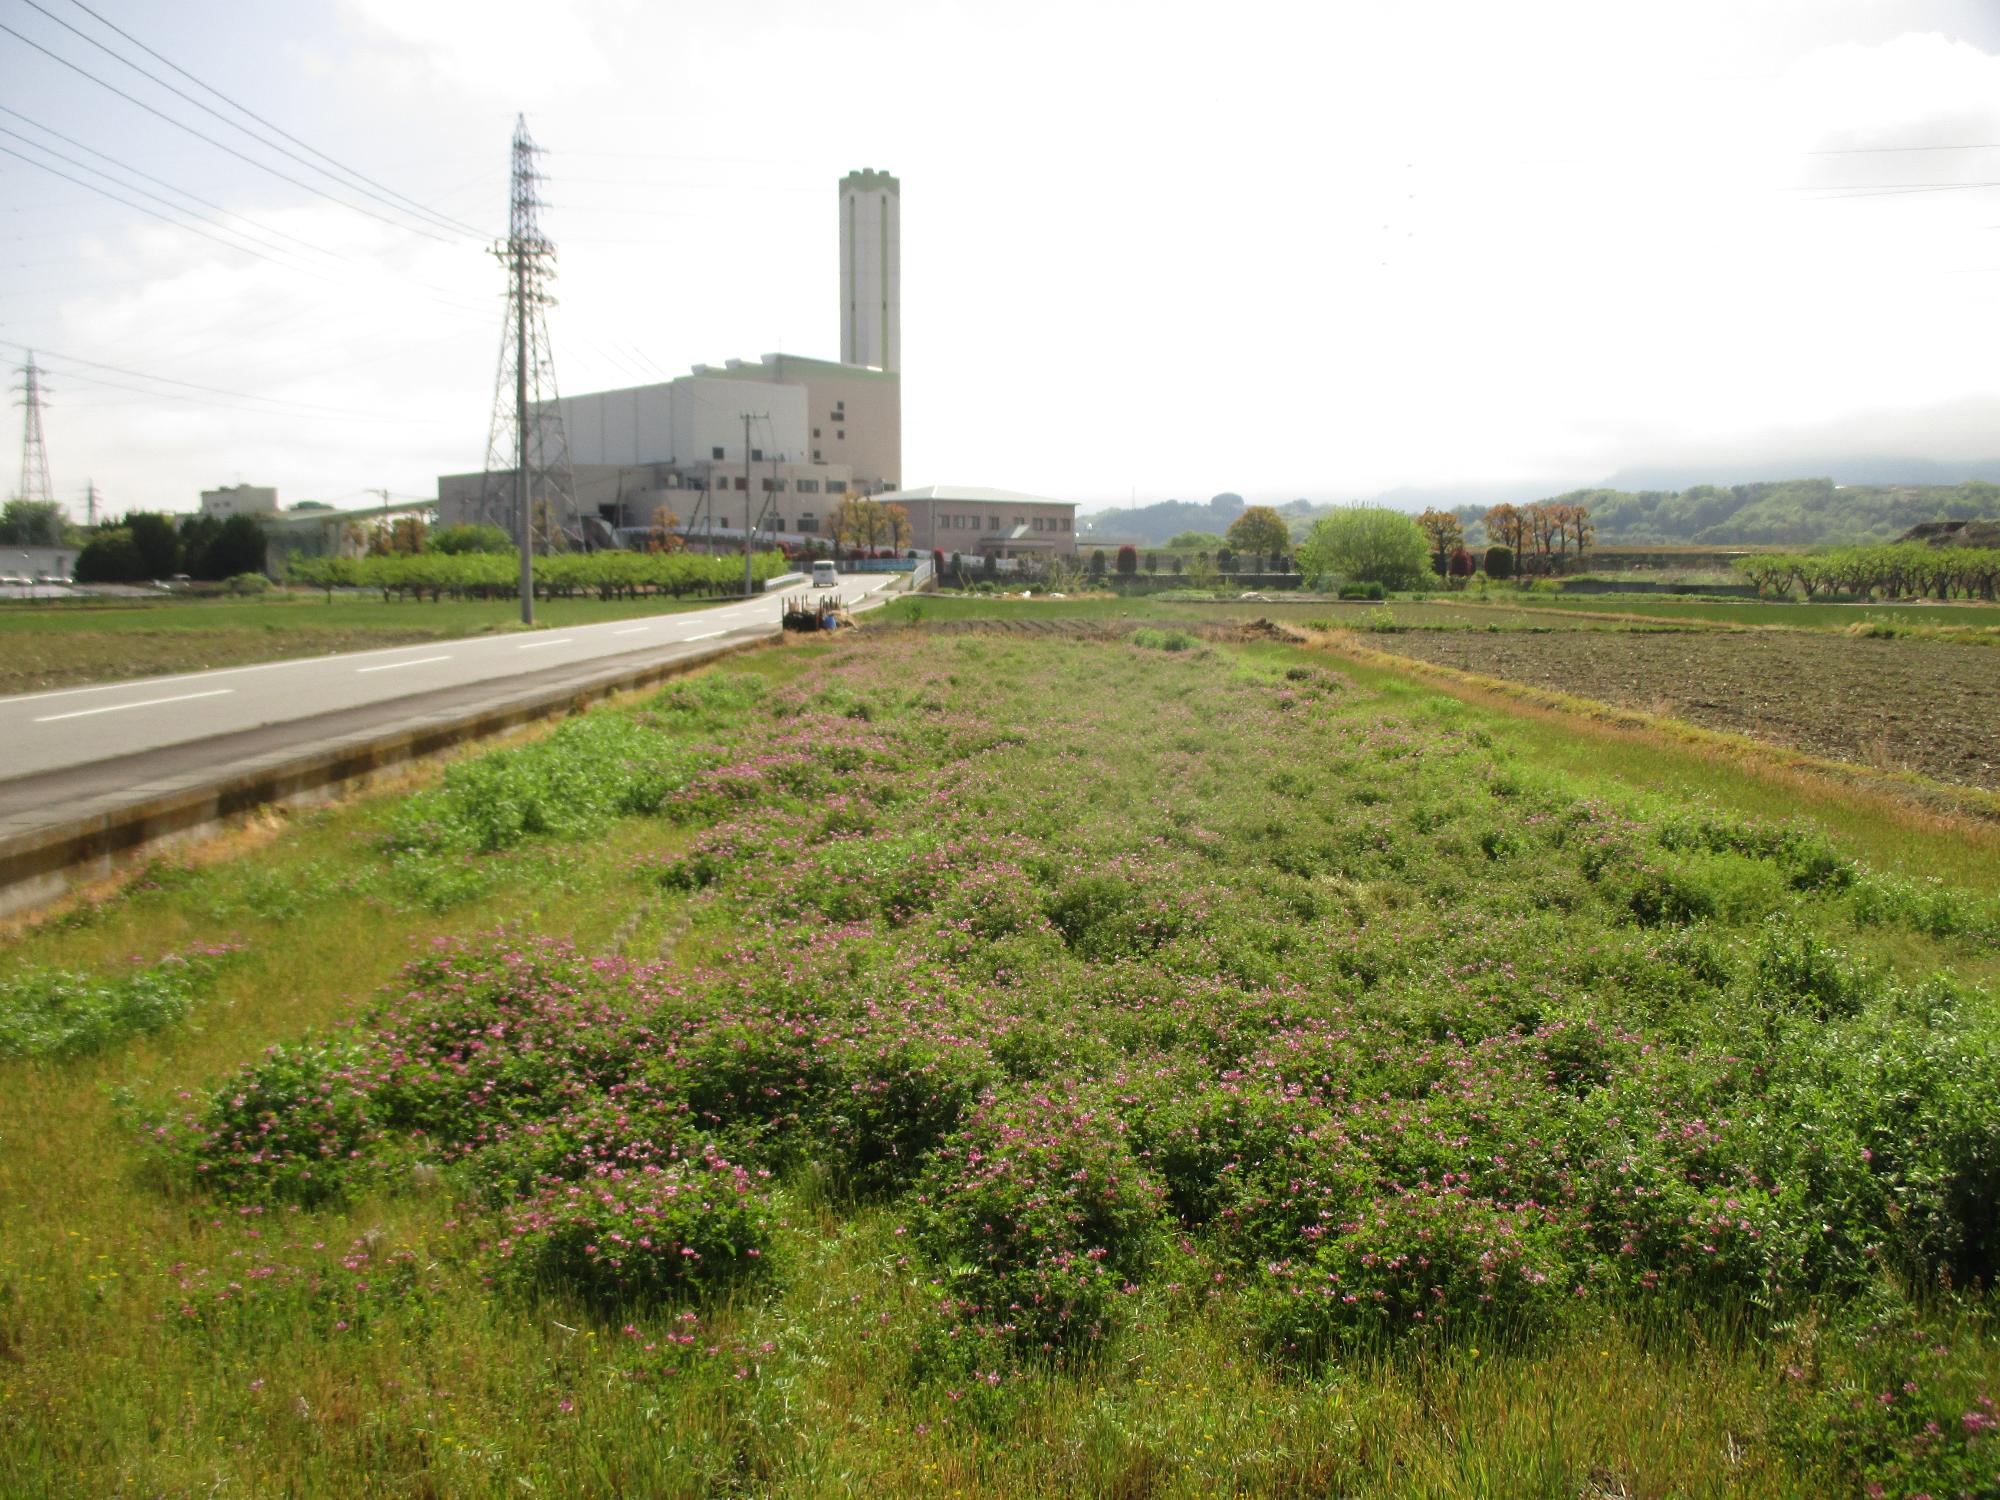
pixel 1926 706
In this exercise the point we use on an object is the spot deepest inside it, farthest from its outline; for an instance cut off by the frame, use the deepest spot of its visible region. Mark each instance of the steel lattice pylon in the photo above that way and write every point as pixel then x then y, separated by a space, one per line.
pixel 527 434
pixel 35 483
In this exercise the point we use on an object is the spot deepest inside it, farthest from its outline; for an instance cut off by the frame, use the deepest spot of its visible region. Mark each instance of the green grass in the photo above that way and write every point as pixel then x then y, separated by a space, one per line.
pixel 44 645
pixel 1115 883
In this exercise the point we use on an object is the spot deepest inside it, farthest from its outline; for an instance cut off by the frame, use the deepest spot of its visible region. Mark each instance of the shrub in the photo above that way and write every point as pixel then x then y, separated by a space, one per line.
pixel 1039 1215
pixel 641 1237
pixel 1499 563
pixel 1432 1259
pixel 54 1013
pixel 1363 591
pixel 1369 544
pixel 1128 561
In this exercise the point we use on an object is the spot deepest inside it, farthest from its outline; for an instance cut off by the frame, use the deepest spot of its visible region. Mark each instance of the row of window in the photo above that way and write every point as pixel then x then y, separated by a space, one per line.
pixel 772 485
pixel 971 523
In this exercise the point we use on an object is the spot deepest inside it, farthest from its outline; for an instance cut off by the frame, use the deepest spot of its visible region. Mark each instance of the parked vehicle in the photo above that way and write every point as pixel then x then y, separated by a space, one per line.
pixel 825 575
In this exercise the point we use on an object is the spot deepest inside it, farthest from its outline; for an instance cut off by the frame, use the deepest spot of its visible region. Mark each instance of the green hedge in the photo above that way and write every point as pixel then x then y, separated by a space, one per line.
pixel 496 575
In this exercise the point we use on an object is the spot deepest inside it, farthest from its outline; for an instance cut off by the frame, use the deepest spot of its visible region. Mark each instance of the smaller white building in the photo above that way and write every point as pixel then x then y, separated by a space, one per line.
pixel 239 500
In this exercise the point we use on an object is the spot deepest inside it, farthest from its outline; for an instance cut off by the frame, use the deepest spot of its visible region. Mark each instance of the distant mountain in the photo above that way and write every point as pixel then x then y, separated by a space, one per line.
pixel 1791 512
pixel 1879 469
pixel 1472 492
pixel 1153 525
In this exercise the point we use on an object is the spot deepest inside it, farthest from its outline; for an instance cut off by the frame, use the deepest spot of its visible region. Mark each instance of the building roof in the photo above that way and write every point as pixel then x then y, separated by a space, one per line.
pixel 972 494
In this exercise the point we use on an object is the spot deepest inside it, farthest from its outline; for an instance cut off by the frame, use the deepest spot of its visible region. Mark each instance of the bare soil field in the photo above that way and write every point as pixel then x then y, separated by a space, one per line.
pixel 1923 706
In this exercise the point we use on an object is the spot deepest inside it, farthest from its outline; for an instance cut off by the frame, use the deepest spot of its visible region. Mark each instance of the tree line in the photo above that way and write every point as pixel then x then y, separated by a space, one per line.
pixel 1895 570
pixel 496 575
pixel 146 546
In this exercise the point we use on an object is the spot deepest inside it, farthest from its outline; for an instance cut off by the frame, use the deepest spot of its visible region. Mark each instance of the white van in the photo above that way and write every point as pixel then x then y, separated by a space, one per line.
pixel 825 575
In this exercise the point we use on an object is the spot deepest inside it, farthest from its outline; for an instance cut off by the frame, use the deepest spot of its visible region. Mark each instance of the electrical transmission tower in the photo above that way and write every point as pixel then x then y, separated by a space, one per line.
pixel 35 484
pixel 529 487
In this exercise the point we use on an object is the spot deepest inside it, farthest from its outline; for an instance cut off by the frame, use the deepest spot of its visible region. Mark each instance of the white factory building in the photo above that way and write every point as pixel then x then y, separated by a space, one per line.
pixel 818 429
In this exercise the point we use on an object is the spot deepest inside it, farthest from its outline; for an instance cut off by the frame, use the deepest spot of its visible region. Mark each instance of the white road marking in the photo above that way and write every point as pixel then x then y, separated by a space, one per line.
pixel 84 713
pixel 632 630
pixel 390 666
pixel 537 645
pixel 709 637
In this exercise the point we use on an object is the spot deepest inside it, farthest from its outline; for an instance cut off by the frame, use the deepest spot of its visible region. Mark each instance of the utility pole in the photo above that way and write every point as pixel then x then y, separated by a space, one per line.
pixel 748 418
pixel 523 519
pixel 35 484
pixel 90 504
pixel 526 403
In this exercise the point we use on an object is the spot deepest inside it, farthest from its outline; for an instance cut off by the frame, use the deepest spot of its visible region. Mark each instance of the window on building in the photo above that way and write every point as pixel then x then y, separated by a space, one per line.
pixel 816 459
pixel 841 433
pixel 808 525
pixel 808 486
pixel 739 484
pixel 815 432
pixel 770 484
pixel 992 524
pixel 1067 526
pixel 756 455
pixel 1019 522
pixel 712 453
pixel 1038 523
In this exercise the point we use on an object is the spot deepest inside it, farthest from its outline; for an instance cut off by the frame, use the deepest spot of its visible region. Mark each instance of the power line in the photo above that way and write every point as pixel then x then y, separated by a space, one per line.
pixel 125 166
pixel 220 146
pixel 213 390
pixel 359 177
pixel 155 213
pixel 130 187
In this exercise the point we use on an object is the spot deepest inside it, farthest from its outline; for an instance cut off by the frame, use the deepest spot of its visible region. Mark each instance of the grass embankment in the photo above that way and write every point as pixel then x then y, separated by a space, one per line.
pixel 56 645
pixel 995 1066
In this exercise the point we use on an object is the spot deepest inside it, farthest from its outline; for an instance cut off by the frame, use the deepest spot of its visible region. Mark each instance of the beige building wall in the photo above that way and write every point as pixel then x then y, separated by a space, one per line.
pixel 239 500
pixel 854 417
pixel 1008 528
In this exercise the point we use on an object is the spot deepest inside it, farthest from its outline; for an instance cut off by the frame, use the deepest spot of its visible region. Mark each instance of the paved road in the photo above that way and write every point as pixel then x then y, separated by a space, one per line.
pixel 60 731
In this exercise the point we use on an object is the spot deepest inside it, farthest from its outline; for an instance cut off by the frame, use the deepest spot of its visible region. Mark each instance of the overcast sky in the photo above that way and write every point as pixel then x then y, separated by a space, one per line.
pixel 1154 250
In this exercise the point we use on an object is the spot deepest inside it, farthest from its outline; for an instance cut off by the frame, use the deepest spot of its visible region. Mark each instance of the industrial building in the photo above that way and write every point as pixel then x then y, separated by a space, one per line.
pixel 239 500
pixel 819 430
pixel 970 520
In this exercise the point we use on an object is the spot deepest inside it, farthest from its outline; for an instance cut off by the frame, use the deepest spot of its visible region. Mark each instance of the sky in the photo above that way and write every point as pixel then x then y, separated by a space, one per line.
pixel 1149 250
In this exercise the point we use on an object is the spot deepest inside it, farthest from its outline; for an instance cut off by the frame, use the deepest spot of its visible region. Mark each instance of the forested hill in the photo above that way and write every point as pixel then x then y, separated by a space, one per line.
pixel 1791 512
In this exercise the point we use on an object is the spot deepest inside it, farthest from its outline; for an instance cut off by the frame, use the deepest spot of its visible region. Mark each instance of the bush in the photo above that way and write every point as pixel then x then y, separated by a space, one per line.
pixel 52 1013
pixel 456 540
pixel 1368 544
pixel 1039 1215
pixel 1363 591
pixel 1128 561
pixel 642 1237
pixel 1499 563
pixel 249 583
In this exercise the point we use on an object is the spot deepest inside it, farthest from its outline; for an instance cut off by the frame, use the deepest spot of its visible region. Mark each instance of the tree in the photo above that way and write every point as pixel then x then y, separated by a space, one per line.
pixel 1366 544
pixel 111 556
pixel 662 535
pixel 1499 563
pixel 1462 566
pixel 860 522
pixel 1194 541
pixel 991 566
pixel 456 541
pixel 239 547
pixel 32 523
pixel 1445 534
pixel 1096 562
pixel 158 541
pixel 1128 560
pixel 1505 527
pixel 1260 529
